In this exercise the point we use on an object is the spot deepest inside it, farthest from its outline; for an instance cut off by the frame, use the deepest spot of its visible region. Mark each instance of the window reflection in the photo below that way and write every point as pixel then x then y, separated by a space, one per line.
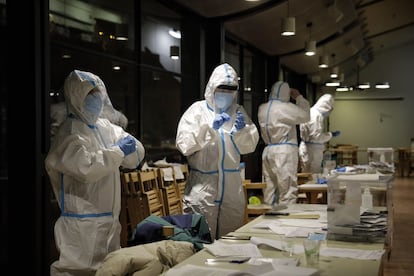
pixel 99 36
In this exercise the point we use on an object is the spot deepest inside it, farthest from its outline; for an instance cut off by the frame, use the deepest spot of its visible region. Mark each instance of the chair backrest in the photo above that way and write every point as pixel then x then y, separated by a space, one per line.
pixel 148 181
pixel 182 182
pixel 170 191
pixel 134 207
pixel 347 155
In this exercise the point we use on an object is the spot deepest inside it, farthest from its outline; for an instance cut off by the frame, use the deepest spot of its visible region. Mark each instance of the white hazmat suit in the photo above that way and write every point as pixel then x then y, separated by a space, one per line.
pixel 214 188
pixel 278 119
pixel 59 113
pixel 83 166
pixel 313 137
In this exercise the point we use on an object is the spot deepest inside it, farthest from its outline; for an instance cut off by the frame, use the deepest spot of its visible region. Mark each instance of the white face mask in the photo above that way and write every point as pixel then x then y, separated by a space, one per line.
pixel 223 100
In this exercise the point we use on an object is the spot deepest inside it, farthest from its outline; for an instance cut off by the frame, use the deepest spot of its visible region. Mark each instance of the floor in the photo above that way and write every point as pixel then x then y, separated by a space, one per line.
pixel 401 261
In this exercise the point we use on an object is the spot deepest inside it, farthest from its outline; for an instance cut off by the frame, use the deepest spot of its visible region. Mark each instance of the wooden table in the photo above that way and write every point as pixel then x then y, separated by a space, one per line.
pixel 338 266
pixel 312 191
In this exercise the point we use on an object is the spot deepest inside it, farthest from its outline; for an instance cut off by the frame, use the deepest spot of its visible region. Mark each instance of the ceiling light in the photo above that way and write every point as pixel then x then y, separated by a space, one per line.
pixel 310 45
pixel 333 83
pixel 383 85
pixel 323 61
pixel 342 89
pixel 335 72
pixel 310 48
pixel 364 85
pixel 288 26
pixel 174 52
pixel 175 33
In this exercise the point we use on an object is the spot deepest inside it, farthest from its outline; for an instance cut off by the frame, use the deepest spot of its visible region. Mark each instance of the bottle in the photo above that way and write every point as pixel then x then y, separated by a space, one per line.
pixel 367 199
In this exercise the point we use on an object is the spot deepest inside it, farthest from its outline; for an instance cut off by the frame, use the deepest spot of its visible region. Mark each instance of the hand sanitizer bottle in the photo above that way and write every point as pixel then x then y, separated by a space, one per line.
pixel 367 199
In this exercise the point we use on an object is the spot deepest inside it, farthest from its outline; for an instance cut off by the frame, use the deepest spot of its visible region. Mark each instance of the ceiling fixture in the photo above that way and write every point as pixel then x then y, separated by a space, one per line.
pixel 343 88
pixel 333 83
pixel 175 33
pixel 310 45
pixel 383 85
pixel 174 52
pixel 364 85
pixel 335 72
pixel 323 61
pixel 288 24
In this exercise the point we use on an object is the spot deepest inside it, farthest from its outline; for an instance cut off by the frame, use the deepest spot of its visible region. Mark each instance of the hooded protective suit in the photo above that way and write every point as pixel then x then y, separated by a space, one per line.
pixel 313 135
pixel 278 119
pixel 214 187
pixel 59 113
pixel 83 166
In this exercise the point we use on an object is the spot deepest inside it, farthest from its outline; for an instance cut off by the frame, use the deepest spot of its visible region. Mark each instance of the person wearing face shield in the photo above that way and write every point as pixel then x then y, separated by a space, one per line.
pixel 278 118
pixel 58 113
pixel 313 136
pixel 212 134
pixel 83 167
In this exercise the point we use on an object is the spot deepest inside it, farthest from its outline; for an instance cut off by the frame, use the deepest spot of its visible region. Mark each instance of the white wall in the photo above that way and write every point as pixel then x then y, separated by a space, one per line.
pixel 365 118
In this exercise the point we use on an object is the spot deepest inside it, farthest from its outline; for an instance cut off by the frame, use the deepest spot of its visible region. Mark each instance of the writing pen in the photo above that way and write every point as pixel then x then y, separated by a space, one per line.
pixel 273 213
pixel 232 260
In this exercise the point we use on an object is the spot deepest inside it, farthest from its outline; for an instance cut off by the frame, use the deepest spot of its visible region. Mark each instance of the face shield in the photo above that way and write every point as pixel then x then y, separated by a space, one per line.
pixel 92 106
pixel 224 99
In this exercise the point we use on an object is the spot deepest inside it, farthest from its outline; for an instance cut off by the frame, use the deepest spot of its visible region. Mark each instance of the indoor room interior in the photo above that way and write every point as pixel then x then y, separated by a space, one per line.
pixel 156 56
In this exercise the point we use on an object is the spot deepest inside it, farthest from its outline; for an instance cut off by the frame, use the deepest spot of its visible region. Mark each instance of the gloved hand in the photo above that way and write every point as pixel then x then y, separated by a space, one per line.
pixel 220 119
pixel 239 123
pixel 321 181
pixel 127 144
pixel 336 133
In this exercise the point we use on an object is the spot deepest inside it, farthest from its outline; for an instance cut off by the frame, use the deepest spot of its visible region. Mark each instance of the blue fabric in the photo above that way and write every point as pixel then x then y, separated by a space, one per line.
pixel 188 227
pixel 336 133
pixel 321 181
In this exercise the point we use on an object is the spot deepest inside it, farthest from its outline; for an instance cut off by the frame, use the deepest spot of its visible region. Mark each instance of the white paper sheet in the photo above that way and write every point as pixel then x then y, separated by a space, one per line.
pixel 221 249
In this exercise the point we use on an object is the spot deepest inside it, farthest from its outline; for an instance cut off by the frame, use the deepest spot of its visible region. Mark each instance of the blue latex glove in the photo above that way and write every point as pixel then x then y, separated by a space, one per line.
pixel 336 133
pixel 321 181
pixel 341 169
pixel 239 123
pixel 127 144
pixel 220 119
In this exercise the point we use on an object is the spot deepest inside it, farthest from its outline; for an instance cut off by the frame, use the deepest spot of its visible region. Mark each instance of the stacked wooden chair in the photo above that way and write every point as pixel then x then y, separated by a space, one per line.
pixel 149 192
pixel 134 207
pixel 170 191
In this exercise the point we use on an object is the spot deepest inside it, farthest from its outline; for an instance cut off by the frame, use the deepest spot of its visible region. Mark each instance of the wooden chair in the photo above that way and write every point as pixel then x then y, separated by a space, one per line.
pixel 346 155
pixel 250 210
pixel 149 186
pixel 182 182
pixel 170 192
pixel 134 209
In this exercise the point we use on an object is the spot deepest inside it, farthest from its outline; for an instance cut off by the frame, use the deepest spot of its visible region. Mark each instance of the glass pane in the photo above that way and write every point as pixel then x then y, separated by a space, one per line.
pixel 160 112
pixel 103 26
pixel 247 77
pixel 160 36
pixel 121 84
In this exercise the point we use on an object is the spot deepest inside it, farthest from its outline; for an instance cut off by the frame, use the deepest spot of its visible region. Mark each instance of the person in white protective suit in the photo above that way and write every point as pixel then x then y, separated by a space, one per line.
pixel 278 118
pixel 58 113
pixel 313 137
pixel 212 134
pixel 83 166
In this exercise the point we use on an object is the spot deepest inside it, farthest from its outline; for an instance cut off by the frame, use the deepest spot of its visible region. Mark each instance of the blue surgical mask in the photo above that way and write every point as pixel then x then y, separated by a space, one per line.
pixel 223 101
pixel 93 105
